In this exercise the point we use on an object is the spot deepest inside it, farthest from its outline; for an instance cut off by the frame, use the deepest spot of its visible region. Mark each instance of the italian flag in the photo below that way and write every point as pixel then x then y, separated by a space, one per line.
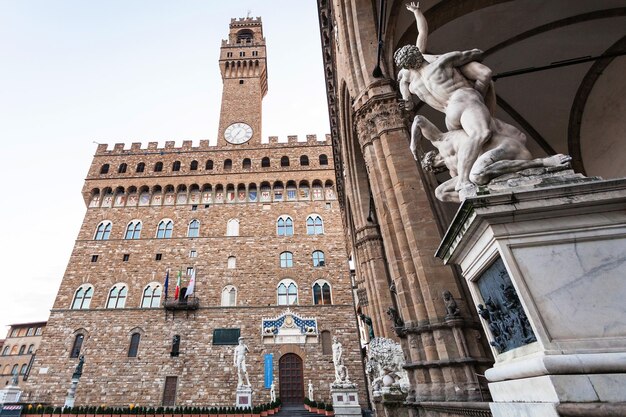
pixel 177 290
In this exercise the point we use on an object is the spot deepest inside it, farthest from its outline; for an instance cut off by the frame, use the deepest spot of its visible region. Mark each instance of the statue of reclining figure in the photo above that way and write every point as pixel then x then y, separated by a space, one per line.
pixel 505 153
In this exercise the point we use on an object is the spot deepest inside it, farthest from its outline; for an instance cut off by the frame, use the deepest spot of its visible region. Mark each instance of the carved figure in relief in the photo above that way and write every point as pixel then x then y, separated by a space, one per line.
pixel 452 309
pixel 240 362
pixel 505 153
pixel 453 83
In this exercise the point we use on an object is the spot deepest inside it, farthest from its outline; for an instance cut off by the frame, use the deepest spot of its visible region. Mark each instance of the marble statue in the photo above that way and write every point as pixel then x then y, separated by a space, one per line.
pixel 273 392
pixel 310 390
pixel 337 357
pixel 384 366
pixel 504 153
pixel 453 83
pixel 14 380
pixel 240 362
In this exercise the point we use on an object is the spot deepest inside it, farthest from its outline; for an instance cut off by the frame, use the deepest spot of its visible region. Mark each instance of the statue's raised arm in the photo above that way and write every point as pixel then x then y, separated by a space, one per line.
pixel 422 25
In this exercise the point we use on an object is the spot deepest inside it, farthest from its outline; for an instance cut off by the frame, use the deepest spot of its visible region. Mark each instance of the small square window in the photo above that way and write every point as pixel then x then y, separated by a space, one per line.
pixel 158 256
pixel 206 206
pixel 194 207
pixel 126 257
pixel 94 258
pixel 189 270
pixel 328 206
pixel 193 253
pixel 240 81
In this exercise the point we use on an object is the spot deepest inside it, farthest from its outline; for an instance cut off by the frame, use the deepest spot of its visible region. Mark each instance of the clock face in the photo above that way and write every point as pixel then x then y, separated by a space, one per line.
pixel 238 133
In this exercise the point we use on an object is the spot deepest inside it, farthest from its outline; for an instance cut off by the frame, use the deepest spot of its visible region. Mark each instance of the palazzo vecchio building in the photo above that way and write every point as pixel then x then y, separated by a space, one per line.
pixel 257 223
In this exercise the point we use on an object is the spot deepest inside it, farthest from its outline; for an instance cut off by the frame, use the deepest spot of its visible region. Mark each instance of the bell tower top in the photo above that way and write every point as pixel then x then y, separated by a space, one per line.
pixel 244 74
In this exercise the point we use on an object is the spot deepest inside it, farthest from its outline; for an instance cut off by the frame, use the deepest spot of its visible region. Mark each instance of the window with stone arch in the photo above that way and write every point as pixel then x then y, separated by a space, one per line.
pixel 133 348
pixel 314 225
pixel 77 345
pixel 14 350
pixel 323 159
pixel 133 230
pixel 103 231
pixel 158 167
pixel 5 352
pixel 22 350
pixel 231 263
pixel 117 296
pixel 193 166
pixel 31 349
pixel 209 165
pixel 318 258
pixel 23 369
pixel 232 227
pixel 122 168
pixel 104 169
pixel 286 260
pixel 151 297
pixel 284 226
pixel 6 370
pixel 287 292
pixel 194 228
pixel 304 161
pixel 284 161
pixel 15 369
pixel 176 166
pixel 164 230
pixel 265 162
pixel 229 296
pixel 140 167
pixel 82 297
pixel 322 292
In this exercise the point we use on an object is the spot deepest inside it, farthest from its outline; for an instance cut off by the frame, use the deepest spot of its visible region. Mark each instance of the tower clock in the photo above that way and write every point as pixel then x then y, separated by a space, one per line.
pixel 244 74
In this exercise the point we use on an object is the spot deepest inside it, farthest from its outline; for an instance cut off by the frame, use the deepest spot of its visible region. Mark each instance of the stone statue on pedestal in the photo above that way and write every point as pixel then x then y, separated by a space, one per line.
pixel 310 390
pixel 341 372
pixel 240 362
pixel 272 392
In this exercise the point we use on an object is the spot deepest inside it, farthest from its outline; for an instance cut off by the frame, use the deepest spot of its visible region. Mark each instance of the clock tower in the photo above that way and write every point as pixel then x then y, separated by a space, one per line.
pixel 244 74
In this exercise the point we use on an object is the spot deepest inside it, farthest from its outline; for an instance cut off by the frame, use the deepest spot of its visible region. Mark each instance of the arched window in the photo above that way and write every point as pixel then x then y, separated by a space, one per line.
pixel 284 226
pixel 103 231
pixel 284 161
pixel 265 162
pixel 209 165
pixel 323 159
pixel 287 293
pixel 134 345
pixel 232 262
pixel 31 349
pixel 321 292
pixel 5 351
pixel 22 349
pixel 318 258
pixel 82 297
pixel 247 163
pixel 228 164
pixel 193 166
pixel 314 225
pixel 77 345
pixel 304 161
pixel 176 166
pixel 140 167
pixel 286 260
pixel 229 296
pixel 164 231
pixel 6 370
pixel 194 229
pixel 104 169
pixel 158 167
pixel 151 296
pixel 14 350
pixel 133 230
pixel 232 227
pixel 15 369
pixel 23 369
pixel 117 296
pixel 244 36
pixel 327 343
pixel 122 168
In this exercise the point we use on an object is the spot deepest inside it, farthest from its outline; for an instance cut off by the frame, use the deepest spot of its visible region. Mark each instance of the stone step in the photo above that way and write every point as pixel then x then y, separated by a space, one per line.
pixel 293 411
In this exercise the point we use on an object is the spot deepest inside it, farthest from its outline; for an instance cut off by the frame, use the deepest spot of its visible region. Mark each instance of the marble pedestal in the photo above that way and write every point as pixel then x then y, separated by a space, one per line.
pixel 71 394
pixel 244 396
pixel 10 395
pixel 548 267
pixel 345 401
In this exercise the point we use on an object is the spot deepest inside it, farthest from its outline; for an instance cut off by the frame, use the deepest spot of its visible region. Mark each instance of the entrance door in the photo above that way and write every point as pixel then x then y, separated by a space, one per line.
pixel 169 391
pixel 291 379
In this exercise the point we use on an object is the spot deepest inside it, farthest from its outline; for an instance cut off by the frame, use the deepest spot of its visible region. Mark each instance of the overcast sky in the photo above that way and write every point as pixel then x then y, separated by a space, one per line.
pixel 75 72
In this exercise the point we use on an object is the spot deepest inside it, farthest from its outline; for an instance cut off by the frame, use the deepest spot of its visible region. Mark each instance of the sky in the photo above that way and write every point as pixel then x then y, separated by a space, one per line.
pixel 77 73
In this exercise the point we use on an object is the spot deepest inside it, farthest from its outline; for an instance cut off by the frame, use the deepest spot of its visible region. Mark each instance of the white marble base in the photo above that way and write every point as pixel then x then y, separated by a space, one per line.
pixel 564 249
pixel 10 395
pixel 244 397
pixel 345 401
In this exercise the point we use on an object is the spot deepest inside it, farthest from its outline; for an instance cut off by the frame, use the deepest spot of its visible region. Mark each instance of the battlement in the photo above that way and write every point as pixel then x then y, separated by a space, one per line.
pixel 245 21
pixel 187 145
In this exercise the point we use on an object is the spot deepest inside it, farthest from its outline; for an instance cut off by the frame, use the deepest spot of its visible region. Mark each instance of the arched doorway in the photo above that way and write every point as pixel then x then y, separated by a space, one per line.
pixel 291 379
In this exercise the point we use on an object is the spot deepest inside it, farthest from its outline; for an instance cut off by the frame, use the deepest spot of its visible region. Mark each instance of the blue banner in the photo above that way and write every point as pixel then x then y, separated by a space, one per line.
pixel 269 369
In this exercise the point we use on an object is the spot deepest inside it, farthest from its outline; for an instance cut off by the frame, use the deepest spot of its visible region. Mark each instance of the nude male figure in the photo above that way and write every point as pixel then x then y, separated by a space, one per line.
pixel 504 153
pixel 453 83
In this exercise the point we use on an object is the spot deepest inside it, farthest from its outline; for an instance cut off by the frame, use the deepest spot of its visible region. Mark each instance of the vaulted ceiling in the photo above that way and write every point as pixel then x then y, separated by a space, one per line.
pixel 575 109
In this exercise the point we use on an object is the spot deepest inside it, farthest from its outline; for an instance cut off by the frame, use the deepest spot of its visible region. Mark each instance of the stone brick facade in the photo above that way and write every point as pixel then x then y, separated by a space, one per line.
pixel 216 186
pixel 18 349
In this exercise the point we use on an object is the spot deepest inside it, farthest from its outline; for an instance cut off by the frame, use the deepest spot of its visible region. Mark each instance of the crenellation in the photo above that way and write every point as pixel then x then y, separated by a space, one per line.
pixel 118 147
pixel 102 148
pixel 292 139
pixel 153 145
pixel 170 144
pixel 135 146
pixel 187 145
pixel 272 140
